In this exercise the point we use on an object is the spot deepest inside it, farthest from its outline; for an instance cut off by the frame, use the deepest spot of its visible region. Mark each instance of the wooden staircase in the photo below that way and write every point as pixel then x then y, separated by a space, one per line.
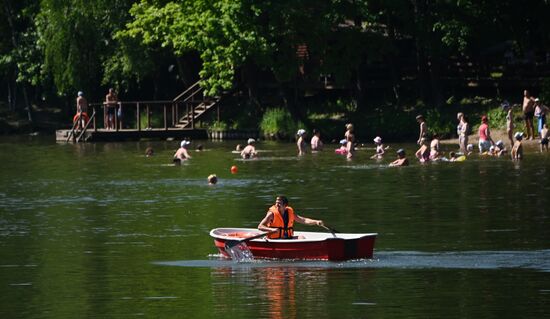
pixel 196 104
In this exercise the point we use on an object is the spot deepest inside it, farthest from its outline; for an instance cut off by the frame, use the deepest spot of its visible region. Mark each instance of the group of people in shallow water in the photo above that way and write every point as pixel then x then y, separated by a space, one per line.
pixel 428 150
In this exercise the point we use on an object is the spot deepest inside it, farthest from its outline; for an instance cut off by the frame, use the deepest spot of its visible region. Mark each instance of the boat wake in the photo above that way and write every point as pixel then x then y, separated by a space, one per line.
pixel 538 260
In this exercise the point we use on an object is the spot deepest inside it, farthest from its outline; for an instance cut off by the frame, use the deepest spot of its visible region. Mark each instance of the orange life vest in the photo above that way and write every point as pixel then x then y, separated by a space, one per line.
pixel 285 231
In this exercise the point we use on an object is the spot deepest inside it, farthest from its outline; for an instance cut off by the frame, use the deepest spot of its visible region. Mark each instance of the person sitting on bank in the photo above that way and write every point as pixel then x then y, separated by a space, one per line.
pixel 280 219
pixel 401 159
pixel 250 150
pixel 182 154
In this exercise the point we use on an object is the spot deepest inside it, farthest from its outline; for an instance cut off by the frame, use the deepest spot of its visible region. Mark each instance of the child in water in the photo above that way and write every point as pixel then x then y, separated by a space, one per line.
pixel 250 150
pixel 517 150
pixel 342 150
pixel 380 150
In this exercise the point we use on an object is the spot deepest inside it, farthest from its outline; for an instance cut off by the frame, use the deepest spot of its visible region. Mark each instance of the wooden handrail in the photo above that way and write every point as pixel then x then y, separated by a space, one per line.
pixel 71 133
pixel 185 92
pixel 85 127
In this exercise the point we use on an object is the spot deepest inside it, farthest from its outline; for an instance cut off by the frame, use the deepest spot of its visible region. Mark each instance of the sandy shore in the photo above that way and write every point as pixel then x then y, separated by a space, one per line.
pixel 495 135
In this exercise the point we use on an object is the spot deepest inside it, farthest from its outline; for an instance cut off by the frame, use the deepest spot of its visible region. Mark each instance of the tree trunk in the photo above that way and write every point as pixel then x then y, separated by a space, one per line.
pixel 8 11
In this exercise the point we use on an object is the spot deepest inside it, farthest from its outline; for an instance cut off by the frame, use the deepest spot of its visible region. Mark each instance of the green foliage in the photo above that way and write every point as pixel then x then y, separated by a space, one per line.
pixel 218 126
pixel 278 123
pixel 438 123
pixel 497 118
pixel 545 91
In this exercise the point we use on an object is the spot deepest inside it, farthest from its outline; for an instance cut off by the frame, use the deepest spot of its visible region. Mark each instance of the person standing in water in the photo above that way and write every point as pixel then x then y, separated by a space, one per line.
pixel 528 113
pixel 249 150
pixel 182 154
pixel 301 142
pixel 350 141
pixel 485 140
pixel 509 122
pixel 462 130
pixel 423 128
pixel 316 143
pixel 517 150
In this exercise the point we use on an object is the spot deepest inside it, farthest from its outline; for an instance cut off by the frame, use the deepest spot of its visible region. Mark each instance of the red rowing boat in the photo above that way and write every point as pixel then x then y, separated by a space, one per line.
pixel 306 245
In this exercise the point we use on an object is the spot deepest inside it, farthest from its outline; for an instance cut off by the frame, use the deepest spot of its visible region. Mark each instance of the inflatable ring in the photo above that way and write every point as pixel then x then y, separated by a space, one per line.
pixel 84 116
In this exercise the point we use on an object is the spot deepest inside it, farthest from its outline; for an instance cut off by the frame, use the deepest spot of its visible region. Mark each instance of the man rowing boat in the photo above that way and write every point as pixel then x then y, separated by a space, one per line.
pixel 281 217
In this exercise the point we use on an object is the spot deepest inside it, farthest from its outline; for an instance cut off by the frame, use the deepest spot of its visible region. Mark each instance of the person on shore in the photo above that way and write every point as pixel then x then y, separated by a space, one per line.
pixel 423 153
pixel 380 150
pixel 182 154
pixel 423 128
pixel 528 113
pixel 401 159
pixel 434 148
pixel 350 141
pixel 544 138
pixel 509 122
pixel 81 111
pixel 540 113
pixel 301 142
pixel 280 219
pixel 343 149
pixel 110 104
pixel 485 140
pixel 316 143
pixel 462 130
pixel 249 150
pixel 212 179
pixel 517 150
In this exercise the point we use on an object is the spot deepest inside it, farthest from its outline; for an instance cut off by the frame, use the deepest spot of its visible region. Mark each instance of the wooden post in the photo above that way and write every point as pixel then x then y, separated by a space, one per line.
pixel 116 119
pixel 121 114
pixel 138 117
pixel 193 117
pixel 95 123
pixel 148 118
pixel 165 118
pixel 177 112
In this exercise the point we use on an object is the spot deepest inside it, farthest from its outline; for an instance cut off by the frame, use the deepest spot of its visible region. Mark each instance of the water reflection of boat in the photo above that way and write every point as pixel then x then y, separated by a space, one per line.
pixel 306 245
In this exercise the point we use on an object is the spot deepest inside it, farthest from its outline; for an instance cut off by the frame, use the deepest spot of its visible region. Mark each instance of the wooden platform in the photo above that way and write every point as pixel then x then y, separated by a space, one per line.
pixel 103 135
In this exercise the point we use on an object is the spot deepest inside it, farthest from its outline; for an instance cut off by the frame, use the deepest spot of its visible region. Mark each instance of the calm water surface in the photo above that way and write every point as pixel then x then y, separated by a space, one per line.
pixel 100 231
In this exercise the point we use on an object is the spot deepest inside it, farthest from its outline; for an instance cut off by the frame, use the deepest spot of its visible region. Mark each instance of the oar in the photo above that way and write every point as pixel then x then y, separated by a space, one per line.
pixel 234 242
pixel 330 229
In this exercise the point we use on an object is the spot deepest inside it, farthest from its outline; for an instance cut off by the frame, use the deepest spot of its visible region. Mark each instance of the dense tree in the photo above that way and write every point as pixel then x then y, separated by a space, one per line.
pixel 56 47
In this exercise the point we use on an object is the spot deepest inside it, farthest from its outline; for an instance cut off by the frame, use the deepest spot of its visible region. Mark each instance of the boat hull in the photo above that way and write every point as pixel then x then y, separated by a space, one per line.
pixel 309 245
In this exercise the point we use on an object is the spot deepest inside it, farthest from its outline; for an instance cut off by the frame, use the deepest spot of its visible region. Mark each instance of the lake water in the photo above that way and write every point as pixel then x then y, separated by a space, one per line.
pixel 100 231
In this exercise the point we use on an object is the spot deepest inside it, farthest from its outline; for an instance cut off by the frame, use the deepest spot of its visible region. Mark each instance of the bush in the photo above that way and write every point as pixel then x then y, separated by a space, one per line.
pixel 278 124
